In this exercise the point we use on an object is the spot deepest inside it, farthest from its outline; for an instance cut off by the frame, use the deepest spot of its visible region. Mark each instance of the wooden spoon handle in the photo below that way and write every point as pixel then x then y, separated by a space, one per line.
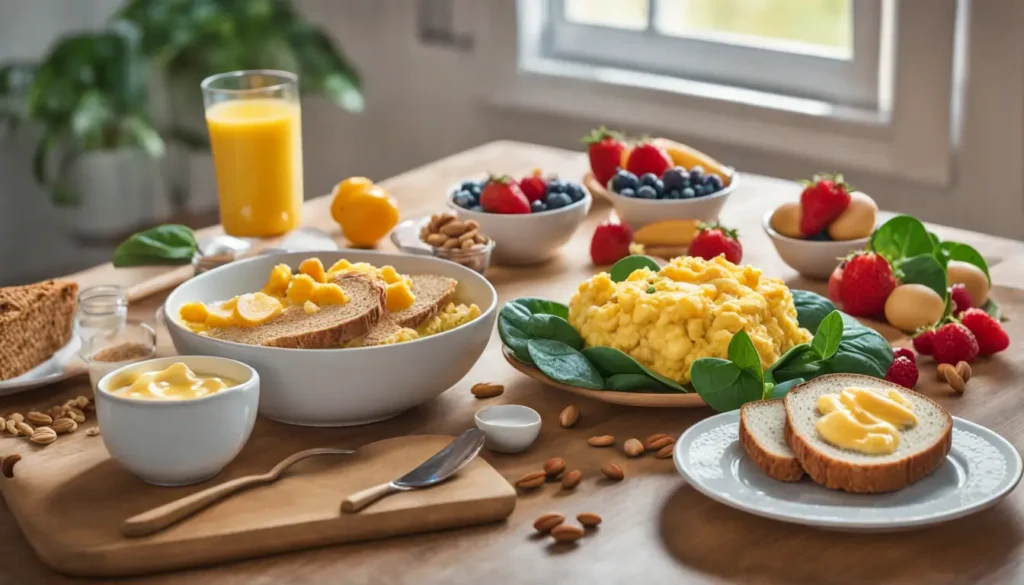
pixel 161 517
pixel 364 498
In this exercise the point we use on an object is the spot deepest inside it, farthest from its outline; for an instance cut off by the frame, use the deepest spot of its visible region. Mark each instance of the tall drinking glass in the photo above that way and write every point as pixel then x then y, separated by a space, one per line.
pixel 256 137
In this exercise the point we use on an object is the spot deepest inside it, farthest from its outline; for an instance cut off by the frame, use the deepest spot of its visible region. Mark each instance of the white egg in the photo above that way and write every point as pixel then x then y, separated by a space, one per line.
pixel 786 220
pixel 857 220
pixel 912 306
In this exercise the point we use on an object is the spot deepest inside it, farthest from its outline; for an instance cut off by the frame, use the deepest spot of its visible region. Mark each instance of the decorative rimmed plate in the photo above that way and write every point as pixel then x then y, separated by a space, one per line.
pixel 61 365
pixel 980 470
pixel 648 399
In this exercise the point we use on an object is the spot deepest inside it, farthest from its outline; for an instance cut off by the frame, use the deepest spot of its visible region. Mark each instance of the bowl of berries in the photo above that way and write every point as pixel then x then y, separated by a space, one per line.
pixel 528 220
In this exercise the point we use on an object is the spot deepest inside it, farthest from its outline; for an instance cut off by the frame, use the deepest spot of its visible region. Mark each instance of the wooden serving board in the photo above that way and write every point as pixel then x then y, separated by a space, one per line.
pixel 70 499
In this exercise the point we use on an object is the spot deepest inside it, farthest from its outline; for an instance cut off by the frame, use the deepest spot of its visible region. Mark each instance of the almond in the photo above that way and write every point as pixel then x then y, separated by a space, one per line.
pixel 633 448
pixel 472 225
pixel 554 466
pixel 468 236
pixel 39 418
pixel 613 471
pixel 531 480
pixel 43 436
pixel 487 390
pixel 436 239
pixel 601 441
pixel 450 244
pixel 964 370
pixel 548 521
pixel 453 228
pixel 665 452
pixel 569 416
pixel 948 373
pixel 659 443
pixel 943 369
pixel 588 519
pixel 567 533
pixel 7 467
pixel 64 425
pixel 654 437
pixel 571 479
pixel 466 244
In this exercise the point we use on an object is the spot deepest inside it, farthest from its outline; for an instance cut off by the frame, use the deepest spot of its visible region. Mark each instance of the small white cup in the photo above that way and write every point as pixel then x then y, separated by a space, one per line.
pixel 179 442
pixel 509 428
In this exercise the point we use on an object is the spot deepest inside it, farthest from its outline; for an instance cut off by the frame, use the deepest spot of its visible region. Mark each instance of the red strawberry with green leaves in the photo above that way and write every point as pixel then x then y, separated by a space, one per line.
pixel 991 336
pixel 714 240
pixel 648 158
pixel 822 201
pixel 604 148
pixel 610 243
pixel 503 195
pixel 534 186
pixel 866 283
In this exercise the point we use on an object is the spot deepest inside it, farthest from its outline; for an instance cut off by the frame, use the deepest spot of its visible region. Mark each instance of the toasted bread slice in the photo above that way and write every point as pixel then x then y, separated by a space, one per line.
pixel 329 327
pixel 763 435
pixel 35 321
pixel 432 294
pixel 922 448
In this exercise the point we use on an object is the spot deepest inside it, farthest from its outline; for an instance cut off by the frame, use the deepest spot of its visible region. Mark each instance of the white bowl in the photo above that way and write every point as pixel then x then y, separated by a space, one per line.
pixel 343 387
pixel 811 258
pixel 640 212
pixel 527 238
pixel 509 428
pixel 179 442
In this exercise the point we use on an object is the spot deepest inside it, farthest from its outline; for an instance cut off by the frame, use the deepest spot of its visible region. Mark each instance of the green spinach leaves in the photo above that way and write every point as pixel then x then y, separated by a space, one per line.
pixel 163 244
pixel 514 323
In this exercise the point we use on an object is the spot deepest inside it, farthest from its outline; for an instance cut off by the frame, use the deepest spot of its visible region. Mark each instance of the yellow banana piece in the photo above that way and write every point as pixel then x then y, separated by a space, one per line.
pixel 689 157
pixel 670 232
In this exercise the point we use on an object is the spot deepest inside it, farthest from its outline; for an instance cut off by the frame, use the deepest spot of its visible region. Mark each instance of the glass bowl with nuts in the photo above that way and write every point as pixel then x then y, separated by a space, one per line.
pixel 459 241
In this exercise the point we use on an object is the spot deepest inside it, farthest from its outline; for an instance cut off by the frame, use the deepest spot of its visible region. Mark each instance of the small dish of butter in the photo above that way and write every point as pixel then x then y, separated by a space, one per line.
pixel 177 420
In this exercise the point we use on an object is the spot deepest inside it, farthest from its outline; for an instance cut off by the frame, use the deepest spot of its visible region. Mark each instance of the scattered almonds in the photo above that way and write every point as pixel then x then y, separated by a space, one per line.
pixel 64 425
pixel 548 521
pixel 569 417
pixel 567 533
pixel 39 418
pixel 7 467
pixel 601 441
pixel 964 370
pixel 49 422
pixel 613 471
pixel 554 467
pixel 633 448
pixel 949 373
pixel 588 519
pixel 571 479
pixel 93 432
pixel 487 390
pixel 445 231
pixel 531 480
pixel 659 443
pixel 654 437
pixel 665 452
pixel 43 436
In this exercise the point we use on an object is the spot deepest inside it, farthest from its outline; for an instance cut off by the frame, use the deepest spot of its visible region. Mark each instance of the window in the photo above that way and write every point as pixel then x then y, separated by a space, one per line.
pixel 827 50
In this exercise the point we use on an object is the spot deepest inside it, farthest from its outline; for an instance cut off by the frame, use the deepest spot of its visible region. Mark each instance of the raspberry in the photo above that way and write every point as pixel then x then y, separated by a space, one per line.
pixel 903 371
pixel 991 336
pixel 904 352
pixel 924 342
pixel 954 343
pixel 961 298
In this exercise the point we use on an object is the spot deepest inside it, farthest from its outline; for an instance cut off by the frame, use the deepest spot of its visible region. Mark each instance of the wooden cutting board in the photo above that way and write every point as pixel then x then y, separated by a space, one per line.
pixel 70 499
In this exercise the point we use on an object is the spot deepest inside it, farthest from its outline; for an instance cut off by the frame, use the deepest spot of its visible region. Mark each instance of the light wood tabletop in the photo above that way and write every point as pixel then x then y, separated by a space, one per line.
pixel 656 528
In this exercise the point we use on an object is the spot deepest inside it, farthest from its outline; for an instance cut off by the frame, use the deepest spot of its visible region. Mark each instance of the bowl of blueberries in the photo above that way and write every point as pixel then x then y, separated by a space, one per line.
pixel 528 219
pixel 677 194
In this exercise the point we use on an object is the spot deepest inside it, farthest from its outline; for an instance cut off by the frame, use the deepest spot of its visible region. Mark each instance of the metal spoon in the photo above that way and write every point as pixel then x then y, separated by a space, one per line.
pixel 161 517
pixel 438 468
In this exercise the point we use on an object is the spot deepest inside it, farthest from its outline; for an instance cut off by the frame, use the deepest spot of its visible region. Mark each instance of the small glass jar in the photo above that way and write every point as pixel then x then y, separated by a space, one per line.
pixel 105 351
pixel 102 308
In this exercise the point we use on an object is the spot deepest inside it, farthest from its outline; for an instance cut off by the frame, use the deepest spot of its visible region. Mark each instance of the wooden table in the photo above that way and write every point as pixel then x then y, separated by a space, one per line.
pixel 656 528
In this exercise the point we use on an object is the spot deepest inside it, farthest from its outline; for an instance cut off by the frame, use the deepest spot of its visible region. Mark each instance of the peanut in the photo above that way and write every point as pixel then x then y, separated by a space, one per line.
pixel 601 441
pixel 64 425
pixel 43 436
pixel 39 418
pixel 24 429
pixel 633 448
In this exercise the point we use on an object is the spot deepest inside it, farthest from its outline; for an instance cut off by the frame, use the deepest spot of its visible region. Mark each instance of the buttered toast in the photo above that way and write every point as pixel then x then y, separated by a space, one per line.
pixel 35 321
pixel 763 436
pixel 432 293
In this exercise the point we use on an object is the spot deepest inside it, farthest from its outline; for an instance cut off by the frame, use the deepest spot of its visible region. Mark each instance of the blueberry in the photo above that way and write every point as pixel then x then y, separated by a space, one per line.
pixel 821 236
pixel 659 186
pixel 699 191
pixel 556 186
pixel 648 179
pixel 464 199
pixel 476 208
pixel 673 178
pixel 575 191
pixel 624 179
pixel 538 205
pixel 476 190
pixel 646 192
pixel 558 200
pixel 686 183
pixel 713 183
pixel 696 174
pixel 627 193
pixel 687 193
pixel 467 185
pixel 673 194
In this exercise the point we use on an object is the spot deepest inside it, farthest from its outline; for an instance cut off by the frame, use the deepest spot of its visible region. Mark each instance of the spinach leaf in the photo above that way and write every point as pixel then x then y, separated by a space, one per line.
pixel 743 353
pixel 610 361
pixel 729 384
pixel 623 268
pixel 924 269
pixel 903 236
pixel 861 351
pixel 564 364
pixel 828 336
pixel 935 238
pixel 163 244
pixel 631 382
pixel 514 320
pixel 780 390
pixel 947 251
pixel 546 326
pixel 811 309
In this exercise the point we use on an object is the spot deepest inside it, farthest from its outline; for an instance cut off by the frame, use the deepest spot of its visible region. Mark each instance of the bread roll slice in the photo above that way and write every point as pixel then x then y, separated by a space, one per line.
pixel 763 435
pixel 922 448
pixel 433 292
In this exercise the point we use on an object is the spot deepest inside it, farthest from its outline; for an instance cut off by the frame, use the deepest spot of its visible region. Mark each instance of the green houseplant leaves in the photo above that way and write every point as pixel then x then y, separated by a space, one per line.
pixel 165 244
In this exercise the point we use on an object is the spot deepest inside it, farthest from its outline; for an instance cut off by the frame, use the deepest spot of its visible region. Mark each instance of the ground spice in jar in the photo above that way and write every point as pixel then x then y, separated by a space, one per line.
pixel 122 352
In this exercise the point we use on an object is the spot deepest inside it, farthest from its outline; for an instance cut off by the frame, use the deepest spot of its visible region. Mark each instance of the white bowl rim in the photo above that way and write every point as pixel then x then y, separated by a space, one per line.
pixel 724 192
pixel 766 223
pixel 242 385
pixel 535 418
pixel 172 321
pixel 450 200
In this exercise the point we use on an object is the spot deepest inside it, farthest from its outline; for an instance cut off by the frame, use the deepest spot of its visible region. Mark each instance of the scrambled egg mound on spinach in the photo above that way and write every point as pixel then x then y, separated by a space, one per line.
pixel 688 310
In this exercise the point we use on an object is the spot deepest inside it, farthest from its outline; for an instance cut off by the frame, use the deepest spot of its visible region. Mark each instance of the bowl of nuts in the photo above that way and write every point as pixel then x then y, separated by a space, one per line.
pixel 443 235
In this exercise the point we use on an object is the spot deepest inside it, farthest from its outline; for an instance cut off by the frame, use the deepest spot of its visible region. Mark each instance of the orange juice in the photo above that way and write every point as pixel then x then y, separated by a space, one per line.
pixel 257 153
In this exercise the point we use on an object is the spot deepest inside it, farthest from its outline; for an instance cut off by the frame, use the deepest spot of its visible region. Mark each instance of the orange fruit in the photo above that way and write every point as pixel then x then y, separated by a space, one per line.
pixel 344 190
pixel 368 216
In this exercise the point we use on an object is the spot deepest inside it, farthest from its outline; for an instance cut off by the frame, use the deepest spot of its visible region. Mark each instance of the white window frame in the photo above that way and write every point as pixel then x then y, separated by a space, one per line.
pixel 824 74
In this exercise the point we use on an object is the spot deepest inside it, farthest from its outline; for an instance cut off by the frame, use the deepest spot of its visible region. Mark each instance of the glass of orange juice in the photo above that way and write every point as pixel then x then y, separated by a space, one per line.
pixel 255 130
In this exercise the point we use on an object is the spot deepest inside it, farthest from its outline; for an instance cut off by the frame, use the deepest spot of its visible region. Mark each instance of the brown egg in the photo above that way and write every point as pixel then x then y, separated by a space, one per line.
pixel 970 276
pixel 786 220
pixel 912 306
pixel 857 220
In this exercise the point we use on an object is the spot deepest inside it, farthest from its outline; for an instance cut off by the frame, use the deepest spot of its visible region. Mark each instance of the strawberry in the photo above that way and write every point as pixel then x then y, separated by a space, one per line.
pixel 954 343
pixel 866 284
pixel 714 240
pixel 534 186
pixel 991 336
pixel 924 341
pixel 610 243
pixel 604 149
pixel 648 158
pixel 834 282
pixel 903 371
pixel 904 352
pixel 961 298
pixel 503 195
pixel 822 202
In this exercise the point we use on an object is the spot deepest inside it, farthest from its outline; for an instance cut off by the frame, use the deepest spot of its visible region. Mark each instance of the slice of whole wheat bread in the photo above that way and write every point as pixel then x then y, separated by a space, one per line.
pixel 763 435
pixel 329 327
pixel 432 292
pixel 35 321
pixel 921 450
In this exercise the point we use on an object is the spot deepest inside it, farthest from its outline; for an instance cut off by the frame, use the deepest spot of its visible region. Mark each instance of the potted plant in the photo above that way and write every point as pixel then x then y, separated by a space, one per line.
pixel 96 149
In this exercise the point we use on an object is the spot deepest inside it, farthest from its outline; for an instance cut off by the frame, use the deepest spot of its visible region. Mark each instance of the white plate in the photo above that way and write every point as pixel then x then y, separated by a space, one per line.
pixel 48 372
pixel 981 469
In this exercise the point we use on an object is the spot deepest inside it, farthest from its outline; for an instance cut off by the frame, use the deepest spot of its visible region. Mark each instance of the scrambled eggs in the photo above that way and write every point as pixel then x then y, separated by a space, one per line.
pixel 689 310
